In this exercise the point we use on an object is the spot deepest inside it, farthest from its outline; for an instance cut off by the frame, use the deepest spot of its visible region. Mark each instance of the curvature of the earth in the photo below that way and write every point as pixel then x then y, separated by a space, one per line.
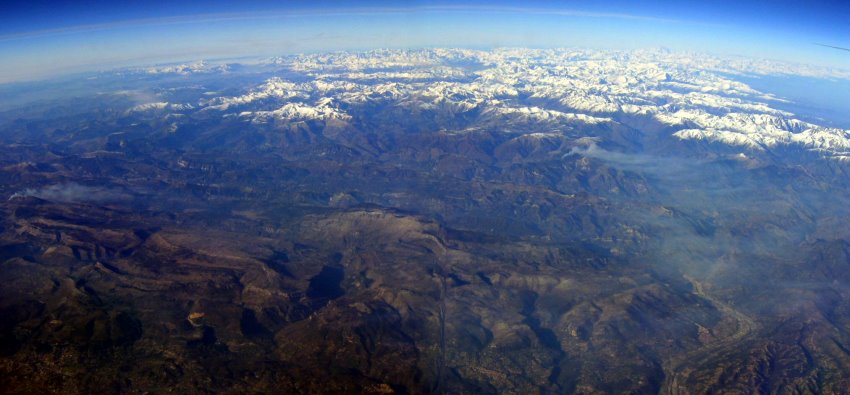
pixel 515 221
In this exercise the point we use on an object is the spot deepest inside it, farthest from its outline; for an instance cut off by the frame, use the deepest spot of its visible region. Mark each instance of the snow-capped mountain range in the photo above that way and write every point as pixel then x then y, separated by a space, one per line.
pixel 693 95
pixel 187 68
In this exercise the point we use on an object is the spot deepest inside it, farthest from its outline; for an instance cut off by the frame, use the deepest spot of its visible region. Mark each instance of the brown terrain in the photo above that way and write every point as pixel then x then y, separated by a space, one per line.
pixel 322 258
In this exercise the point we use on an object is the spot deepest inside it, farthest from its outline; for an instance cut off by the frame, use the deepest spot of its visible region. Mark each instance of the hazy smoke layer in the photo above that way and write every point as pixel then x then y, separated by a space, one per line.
pixel 73 193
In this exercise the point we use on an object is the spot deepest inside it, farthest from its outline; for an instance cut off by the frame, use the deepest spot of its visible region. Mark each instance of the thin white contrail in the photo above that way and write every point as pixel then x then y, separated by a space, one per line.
pixel 238 16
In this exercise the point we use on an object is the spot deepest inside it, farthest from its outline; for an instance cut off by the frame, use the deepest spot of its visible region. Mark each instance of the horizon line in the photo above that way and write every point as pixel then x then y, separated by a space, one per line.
pixel 353 11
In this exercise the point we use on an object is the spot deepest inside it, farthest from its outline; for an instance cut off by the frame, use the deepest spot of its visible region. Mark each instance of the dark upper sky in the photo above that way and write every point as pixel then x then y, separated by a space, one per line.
pixel 821 16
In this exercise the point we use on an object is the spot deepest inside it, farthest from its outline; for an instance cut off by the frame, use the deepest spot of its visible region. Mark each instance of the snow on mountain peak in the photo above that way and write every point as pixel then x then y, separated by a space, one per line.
pixel 322 111
pixel 188 68
pixel 693 95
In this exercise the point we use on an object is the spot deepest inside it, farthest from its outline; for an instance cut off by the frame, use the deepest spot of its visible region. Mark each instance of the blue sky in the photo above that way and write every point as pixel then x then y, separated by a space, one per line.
pixel 39 39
